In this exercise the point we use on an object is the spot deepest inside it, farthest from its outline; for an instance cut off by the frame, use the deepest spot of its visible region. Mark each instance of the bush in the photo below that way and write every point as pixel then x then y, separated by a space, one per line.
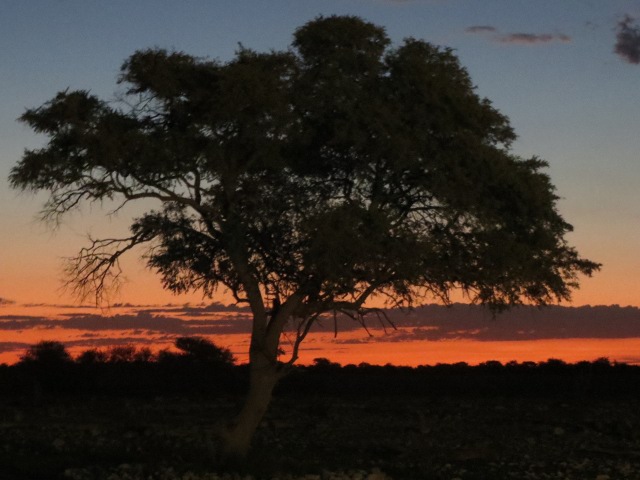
pixel 47 353
pixel 92 356
pixel 201 350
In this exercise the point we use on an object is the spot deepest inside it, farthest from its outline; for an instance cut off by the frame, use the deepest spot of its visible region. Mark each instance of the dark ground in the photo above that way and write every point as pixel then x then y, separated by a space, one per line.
pixel 306 436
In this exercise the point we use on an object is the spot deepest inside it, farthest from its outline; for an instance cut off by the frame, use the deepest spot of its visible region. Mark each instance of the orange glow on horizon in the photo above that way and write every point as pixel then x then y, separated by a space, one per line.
pixel 376 351
pixel 417 353
pixel 350 347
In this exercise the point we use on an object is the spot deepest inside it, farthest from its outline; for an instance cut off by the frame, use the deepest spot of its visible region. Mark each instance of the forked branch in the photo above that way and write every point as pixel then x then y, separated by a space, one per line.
pixel 96 270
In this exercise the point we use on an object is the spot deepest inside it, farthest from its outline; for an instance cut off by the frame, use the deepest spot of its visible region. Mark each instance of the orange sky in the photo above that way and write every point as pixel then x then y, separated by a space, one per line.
pixel 406 346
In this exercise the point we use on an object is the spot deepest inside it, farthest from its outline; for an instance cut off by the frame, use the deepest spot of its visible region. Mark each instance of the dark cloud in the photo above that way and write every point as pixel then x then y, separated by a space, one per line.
pixel 186 309
pixel 431 322
pixel 518 38
pixel 627 44
pixel 532 38
pixel 7 347
pixel 469 322
pixel 143 321
pixel 6 301
pixel 480 29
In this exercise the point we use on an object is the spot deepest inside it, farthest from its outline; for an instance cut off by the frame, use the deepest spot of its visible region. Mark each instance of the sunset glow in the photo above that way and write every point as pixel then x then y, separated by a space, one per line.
pixel 156 327
pixel 557 69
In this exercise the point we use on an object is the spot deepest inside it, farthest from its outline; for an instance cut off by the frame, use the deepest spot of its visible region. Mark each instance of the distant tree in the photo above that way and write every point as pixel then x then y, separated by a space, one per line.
pixel 306 181
pixel 602 362
pixel 460 365
pixel 554 364
pixel 324 363
pixel 92 356
pixel 121 354
pixel 200 349
pixel 47 353
pixel 144 355
pixel 492 364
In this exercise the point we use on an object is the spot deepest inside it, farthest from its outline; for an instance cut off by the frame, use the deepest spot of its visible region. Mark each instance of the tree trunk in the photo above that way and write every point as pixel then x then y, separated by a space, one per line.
pixel 236 440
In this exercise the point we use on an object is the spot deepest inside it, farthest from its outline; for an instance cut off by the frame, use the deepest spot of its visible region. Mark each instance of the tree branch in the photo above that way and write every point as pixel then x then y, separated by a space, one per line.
pixel 96 270
pixel 303 329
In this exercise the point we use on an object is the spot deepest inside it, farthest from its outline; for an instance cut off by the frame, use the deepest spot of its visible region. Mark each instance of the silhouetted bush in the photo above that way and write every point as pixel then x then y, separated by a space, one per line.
pixel 45 367
pixel 200 349
pixel 92 356
pixel 121 354
pixel 47 353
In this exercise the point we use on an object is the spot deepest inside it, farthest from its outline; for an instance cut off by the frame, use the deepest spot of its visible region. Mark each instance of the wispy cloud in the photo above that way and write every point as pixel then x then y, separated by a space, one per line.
pixel 532 38
pixel 13 346
pixel 431 322
pixel 142 321
pixel 469 322
pixel 480 29
pixel 627 44
pixel 519 38
pixel 6 301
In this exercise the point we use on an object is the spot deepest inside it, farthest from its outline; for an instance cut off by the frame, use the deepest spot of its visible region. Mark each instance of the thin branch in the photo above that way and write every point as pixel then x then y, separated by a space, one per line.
pixel 96 269
pixel 358 318
pixel 303 329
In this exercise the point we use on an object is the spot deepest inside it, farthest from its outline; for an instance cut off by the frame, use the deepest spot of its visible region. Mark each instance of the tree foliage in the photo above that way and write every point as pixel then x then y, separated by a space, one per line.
pixel 46 353
pixel 308 180
pixel 333 170
pixel 200 349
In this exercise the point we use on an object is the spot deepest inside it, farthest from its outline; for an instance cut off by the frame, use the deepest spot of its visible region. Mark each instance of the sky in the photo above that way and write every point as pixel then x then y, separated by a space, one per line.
pixel 565 73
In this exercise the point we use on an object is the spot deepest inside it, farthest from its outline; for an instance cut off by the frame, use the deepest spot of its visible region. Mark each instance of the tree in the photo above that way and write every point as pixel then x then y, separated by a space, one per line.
pixel 122 354
pixel 92 356
pixel 201 350
pixel 306 182
pixel 47 354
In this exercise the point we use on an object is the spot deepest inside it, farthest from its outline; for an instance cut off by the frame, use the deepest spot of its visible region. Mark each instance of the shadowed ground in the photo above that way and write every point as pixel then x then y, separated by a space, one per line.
pixel 435 437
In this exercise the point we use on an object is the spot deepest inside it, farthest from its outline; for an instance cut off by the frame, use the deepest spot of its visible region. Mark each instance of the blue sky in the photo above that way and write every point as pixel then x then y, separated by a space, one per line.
pixel 549 65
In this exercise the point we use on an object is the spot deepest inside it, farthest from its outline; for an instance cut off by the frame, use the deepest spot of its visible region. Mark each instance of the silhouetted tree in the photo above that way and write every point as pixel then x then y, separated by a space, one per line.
pixel 306 181
pixel 200 349
pixel 144 355
pixel 121 354
pixel 47 353
pixel 92 356
pixel 324 363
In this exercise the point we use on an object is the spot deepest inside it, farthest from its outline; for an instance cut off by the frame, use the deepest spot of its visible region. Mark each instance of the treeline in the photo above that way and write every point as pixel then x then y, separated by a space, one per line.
pixel 553 377
pixel 198 366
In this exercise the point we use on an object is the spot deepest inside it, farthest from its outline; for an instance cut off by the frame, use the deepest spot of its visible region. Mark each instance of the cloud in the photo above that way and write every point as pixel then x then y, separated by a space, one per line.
pixel 469 322
pixel 519 38
pixel 480 29
pixel 431 322
pixel 6 301
pixel 627 44
pixel 532 38
pixel 8 347
pixel 142 321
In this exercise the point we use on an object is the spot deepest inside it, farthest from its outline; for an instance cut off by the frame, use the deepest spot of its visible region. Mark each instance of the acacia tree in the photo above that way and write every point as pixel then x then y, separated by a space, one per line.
pixel 306 181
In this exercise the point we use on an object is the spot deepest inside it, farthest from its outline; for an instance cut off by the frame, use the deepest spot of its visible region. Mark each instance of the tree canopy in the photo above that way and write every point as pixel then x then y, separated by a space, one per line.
pixel 335 169
pixel 308 180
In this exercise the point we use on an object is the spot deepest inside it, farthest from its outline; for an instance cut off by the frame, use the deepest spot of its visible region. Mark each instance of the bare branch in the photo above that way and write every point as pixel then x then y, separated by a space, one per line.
pixel 96 270
pixel 302 331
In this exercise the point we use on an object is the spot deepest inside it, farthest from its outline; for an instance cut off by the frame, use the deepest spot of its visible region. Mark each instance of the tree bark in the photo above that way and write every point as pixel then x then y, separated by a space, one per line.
pixel 236 440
